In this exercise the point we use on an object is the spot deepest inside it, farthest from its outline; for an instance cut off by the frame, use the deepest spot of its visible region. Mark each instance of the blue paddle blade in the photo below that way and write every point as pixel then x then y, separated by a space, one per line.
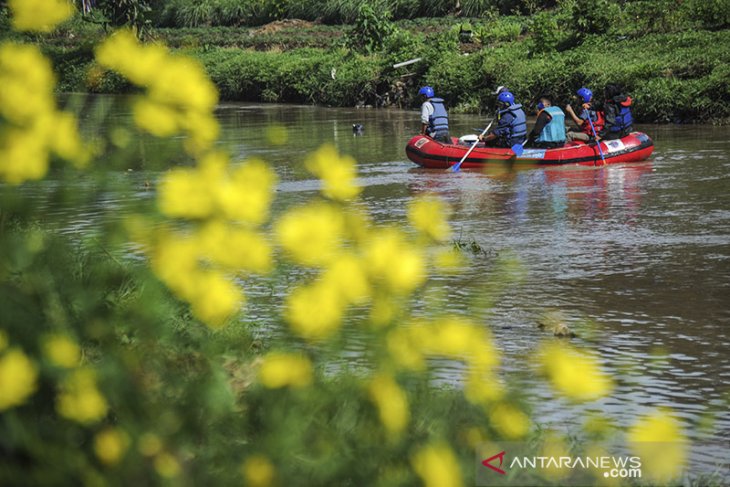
pixel 518 149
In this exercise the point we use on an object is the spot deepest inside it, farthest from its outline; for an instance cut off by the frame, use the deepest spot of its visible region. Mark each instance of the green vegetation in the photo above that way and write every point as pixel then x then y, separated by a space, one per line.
pixel 672 59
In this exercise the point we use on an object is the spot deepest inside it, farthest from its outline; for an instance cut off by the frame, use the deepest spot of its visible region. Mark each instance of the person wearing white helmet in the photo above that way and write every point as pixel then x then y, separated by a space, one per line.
pixel 434 118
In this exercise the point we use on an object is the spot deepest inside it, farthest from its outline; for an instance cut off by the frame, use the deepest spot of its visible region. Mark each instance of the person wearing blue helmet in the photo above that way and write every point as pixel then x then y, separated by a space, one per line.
pixel 585 132
pixel 434 118
pixel 511 126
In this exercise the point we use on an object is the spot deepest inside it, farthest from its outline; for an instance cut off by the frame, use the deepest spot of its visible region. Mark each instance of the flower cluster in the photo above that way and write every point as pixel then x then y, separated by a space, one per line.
pixel 39 15
pixel 31 127
pixel 179 96
pixel 573 373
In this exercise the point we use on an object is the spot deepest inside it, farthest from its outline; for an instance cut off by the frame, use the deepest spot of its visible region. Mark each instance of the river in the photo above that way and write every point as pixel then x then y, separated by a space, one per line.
pixel 635 257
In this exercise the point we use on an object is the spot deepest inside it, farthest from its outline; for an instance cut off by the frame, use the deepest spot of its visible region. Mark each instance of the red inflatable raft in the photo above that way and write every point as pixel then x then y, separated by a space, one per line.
pixel 426 152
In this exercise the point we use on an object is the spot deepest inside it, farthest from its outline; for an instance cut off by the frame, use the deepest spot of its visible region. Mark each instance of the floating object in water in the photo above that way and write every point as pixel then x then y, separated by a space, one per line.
pixel 554 321
pixel 358 129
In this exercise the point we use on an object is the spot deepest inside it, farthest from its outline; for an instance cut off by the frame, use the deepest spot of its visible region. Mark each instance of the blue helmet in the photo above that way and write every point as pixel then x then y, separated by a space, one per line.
pixel 506 97
pixel 585 93
pixel 426 90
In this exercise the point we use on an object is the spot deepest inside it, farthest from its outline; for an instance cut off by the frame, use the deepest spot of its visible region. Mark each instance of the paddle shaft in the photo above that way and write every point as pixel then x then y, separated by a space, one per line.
pixel 455 167
pixel 598 142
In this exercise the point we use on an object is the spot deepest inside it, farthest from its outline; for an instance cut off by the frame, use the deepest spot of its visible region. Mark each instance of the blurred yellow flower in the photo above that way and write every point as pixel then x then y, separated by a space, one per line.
pixel 395 261
pixel 448 261
pixel 167 465
pixel 149 444
pixel 311 234
pixel 182 193
pixel 110 445
pixel 509 421
pixel 429 215
pixel 285 369
pixel 391 401
pixel 348 274
pixel 406 346
pixel 27 79
pixel 337 172
pixel 658 440
pixel 174 259
pixel 437 466
pixel 235 248
pixel 159 119
pixel 79 399
pixel 216 299
pixel 62 351
pixel 18 378
pixel 482 388
pixel 315 311
pixel 573 373
pixel 248 196
pixel 65 139
pixel 22 156
pixel 276 134
pixel 258 471
pixel 39 15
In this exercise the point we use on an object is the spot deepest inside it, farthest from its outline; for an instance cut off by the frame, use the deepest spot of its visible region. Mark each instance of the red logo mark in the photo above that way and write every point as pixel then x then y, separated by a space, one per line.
pixel 499 455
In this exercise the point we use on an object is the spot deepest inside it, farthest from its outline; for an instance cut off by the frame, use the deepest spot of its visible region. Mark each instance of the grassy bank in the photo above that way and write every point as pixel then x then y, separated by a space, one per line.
pixel 676 68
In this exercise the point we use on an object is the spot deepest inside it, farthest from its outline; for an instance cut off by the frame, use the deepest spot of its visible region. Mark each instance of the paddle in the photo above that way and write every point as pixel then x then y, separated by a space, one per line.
pixel 598 142
pixel 518 148
pixel 455 167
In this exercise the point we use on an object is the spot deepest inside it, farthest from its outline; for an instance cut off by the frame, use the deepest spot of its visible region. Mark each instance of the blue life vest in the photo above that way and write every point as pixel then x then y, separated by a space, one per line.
pixel 624 120
pixel 554 131
pixel 512 125
pixel 438 121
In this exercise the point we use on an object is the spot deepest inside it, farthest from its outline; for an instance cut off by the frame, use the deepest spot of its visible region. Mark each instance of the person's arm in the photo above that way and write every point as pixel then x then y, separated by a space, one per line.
pixel 542 120
pixel 576 118
pixel 425 114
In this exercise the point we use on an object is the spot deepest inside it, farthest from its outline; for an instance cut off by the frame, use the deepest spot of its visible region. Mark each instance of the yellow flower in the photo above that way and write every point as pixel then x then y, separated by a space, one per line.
pixel 391 401
pixel 276 134
pixel 167 465
pixel 454 337
pixel 448 261
pixel 285 369
pixel 248 196
pixel 573 373
pixel 311 234
pixel 123 53
pixel 428 215
pixel 258 471
pixel 337 172
pixel 79 399
pixel 437 466
pixel 174 260
pixel 315 311
pixel 22 156
pixel 39 15
pixel 348 274
pixel 159 119
pixel 406 346
pixel 482 388
pixel 62 351
pixel 149 444
pixel 18 378
pixel 65 139
pixel 658 440
pixel 235 248
pixel 110 445
pixel 183 193
pixel 27 79
pixel 215 299
pixel 390 258
pixel 509 421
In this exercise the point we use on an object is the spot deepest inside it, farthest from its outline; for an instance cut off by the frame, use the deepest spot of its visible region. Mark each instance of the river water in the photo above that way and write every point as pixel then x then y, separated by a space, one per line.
pixel 635 257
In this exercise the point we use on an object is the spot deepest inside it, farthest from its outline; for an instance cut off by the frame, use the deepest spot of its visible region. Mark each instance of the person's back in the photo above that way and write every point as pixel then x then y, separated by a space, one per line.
pixel 511 124
pixel 549 129
pixel 434 117
pixel 617 114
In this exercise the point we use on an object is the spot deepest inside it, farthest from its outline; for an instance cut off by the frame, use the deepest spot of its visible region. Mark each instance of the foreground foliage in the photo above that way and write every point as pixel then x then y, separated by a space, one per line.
pixel 123 358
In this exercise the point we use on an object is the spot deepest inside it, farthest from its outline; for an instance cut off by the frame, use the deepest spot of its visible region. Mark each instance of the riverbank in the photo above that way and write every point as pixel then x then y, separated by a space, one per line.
pixel 674 77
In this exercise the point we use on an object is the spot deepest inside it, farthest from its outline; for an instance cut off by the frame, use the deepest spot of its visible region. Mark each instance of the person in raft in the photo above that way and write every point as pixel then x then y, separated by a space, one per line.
pixel 617 113
pixel 434 118
pixel 584 131
pixel 511 126
pixel 549 129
